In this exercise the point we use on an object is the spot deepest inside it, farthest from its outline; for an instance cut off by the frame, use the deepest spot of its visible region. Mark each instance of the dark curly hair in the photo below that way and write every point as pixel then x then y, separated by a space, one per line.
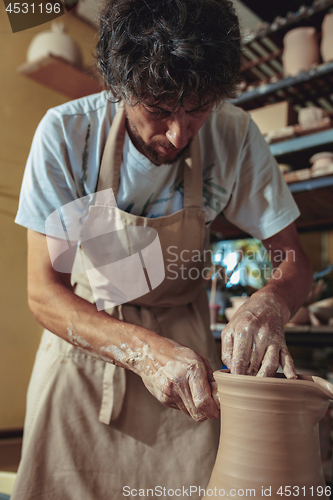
pixel 169 50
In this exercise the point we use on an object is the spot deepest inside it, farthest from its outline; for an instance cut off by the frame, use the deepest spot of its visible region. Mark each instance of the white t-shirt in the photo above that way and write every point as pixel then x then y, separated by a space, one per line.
pixel 240 176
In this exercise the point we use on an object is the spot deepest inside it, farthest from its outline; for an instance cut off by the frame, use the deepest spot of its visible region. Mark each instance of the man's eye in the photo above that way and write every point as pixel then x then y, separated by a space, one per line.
pixel 159 113
pixel 199 111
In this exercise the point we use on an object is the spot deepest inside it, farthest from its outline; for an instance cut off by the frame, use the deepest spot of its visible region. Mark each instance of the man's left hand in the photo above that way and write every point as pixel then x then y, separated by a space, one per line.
pixel 253 342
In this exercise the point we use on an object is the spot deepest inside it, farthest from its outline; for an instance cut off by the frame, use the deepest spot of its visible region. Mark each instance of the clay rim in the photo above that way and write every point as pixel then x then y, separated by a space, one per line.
pixel 305 380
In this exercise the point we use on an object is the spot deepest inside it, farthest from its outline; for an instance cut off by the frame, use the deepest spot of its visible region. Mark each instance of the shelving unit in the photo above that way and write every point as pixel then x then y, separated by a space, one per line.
pixel 285 149
pixel 262 58
pixel 264 83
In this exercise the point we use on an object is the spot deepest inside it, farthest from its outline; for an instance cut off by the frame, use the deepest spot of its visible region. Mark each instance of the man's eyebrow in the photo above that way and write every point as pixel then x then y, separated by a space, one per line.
pixel 164 110
pixel 158 108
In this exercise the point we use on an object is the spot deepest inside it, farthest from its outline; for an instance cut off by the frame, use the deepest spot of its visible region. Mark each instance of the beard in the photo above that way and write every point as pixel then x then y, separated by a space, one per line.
pixel 148 149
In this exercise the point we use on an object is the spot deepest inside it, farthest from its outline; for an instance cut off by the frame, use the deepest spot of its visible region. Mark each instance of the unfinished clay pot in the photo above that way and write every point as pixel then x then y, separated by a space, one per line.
pixel 301 50
pixel 269 437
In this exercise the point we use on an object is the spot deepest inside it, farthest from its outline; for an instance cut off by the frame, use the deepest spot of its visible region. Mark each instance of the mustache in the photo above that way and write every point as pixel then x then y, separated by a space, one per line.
pixel 170 146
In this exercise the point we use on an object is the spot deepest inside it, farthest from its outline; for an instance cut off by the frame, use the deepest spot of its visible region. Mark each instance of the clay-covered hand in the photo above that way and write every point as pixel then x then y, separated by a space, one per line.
pixel 180 378
pixel 253 342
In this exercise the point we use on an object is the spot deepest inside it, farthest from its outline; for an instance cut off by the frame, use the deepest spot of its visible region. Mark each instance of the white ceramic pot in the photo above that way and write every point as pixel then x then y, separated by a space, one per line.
pixel 311 114
pixel 55 42
pixel 238 301
pixel 301 50
pixel 301 317
pixel 321 160
pixel 326 47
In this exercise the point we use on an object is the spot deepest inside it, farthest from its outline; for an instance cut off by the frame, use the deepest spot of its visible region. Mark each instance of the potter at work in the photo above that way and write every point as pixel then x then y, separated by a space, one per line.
pixel 125 397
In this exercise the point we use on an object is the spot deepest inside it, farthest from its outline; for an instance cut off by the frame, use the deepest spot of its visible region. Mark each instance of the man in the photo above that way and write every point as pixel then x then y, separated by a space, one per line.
pixel 175 154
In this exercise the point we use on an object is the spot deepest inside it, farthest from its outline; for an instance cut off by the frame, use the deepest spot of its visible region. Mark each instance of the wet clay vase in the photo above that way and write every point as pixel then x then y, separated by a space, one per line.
pixel 326 46
pixel 300 50
pixel 269 439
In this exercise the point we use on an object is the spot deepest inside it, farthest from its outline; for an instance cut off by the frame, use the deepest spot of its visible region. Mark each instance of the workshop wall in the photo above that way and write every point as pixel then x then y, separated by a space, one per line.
pixel 23 103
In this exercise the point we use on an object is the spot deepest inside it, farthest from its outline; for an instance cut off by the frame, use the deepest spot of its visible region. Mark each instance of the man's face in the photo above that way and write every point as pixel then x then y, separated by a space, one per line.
pixel 162 133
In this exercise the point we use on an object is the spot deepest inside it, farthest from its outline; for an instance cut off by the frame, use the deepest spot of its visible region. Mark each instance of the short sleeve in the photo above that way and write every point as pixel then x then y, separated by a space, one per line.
pixel 261 203
pixel 48 181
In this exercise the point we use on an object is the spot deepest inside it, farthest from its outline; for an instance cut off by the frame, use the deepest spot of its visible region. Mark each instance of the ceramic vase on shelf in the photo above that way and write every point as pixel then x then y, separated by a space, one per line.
pixel 56 42
pixel 320 160
pixel 269 439
pixel 310 115
pixel 300 50
pixel 326 46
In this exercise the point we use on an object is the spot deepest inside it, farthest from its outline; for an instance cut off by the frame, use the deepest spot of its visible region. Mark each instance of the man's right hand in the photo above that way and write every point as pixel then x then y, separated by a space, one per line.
pixel 180 378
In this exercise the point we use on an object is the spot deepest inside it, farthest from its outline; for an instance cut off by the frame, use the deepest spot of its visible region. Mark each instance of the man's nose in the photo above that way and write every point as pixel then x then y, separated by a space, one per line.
pixel 178 132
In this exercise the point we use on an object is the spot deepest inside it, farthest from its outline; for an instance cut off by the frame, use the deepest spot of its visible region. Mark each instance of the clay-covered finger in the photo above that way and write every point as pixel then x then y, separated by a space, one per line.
pixel 165 399
pixel 254 362
pixel 201 394
pixel 241 353
pixel 271 361
pixel 259 347
pixel 181 395
pixel 212 383
pixel 179 404
pixel 227 347
pixel 287 363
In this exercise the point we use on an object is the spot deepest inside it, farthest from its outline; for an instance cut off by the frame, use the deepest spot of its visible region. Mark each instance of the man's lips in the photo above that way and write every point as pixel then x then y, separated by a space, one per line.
pixel 168 151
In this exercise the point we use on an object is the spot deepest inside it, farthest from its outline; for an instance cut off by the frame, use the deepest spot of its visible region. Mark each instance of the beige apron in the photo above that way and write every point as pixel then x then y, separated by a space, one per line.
pixel 92 430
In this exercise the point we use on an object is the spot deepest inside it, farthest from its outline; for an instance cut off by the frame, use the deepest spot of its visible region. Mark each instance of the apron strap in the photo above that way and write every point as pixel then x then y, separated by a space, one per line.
pixel 109 171
pixel 193 175
pixel 114 389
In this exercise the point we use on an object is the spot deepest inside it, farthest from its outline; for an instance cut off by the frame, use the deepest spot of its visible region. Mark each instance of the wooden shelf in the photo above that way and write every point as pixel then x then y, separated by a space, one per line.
pixel 59 75
pixel 280 26
pixel 298 90
pixel 320 139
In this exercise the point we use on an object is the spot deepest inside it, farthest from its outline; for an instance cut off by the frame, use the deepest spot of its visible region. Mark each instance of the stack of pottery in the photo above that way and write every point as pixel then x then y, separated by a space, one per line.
pixel 322 163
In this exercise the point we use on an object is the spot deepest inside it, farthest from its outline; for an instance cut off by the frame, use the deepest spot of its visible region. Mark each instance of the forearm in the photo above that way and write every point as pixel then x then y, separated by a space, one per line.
pixel 174 374
pixel 77 321
pixel 291 279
